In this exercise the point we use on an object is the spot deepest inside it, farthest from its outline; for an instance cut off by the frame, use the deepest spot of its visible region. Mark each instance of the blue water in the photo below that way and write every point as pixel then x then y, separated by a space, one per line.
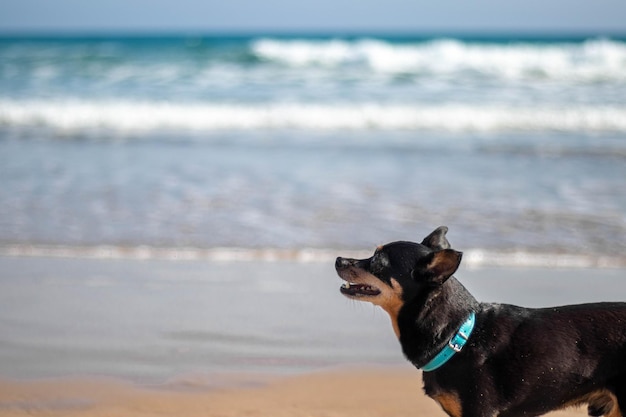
pixel 325 142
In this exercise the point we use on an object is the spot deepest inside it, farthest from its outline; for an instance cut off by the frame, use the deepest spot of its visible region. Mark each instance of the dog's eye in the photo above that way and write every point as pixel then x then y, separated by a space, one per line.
pixel 379 262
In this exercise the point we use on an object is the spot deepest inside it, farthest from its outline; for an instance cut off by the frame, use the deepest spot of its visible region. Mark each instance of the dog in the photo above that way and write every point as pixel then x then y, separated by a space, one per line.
pixel 486 359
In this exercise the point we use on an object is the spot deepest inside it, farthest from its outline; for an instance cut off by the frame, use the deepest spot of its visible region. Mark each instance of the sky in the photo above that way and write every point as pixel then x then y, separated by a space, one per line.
pixel 560 16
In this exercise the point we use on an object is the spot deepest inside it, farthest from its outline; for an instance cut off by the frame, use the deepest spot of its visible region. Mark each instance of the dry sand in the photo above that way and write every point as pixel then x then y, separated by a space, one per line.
pixel 363 393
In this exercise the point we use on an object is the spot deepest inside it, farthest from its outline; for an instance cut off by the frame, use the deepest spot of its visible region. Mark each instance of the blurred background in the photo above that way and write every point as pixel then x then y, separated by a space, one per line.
pixel 294 131
pixel 290 125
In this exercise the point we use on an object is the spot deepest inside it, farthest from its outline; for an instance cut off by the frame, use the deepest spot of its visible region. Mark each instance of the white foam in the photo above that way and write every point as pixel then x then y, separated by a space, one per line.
pixel 472 258
pixel 480 258
pixel 143 252
pixel 76 115
pixel 592 60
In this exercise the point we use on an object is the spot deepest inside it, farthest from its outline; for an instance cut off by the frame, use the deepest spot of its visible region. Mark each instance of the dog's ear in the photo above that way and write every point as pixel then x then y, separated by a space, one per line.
pixel 437 239
pixel 438 266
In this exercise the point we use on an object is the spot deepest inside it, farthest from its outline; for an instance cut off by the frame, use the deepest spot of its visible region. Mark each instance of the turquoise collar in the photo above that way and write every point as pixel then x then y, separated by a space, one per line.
pixel 454 345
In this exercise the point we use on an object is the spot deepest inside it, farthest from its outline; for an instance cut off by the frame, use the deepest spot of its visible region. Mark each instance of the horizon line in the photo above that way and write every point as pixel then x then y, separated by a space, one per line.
pixel 522 33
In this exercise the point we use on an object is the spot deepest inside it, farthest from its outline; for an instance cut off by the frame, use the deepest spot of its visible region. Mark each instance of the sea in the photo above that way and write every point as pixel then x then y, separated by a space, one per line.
pixel 171 206
pixel 264 146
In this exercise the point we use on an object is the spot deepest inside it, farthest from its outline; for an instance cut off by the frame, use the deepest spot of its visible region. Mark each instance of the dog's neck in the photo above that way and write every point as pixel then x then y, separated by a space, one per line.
pixel 429 322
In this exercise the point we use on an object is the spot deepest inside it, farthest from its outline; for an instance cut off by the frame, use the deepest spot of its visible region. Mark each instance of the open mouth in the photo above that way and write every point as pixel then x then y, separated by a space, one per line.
pixel 358 290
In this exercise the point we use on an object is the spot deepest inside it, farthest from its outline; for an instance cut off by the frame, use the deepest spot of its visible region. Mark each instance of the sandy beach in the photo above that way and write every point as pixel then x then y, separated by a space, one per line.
pixel 97 337
pixel 357 392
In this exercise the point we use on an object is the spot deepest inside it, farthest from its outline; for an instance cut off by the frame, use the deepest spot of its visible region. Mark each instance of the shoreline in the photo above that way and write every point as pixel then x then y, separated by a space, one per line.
pixel 472 258
pixel 150 320
pixel 141 337
pixel 364 391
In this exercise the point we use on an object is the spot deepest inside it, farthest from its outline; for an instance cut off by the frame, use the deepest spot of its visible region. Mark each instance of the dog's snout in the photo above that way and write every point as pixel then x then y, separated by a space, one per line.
pixel 342 263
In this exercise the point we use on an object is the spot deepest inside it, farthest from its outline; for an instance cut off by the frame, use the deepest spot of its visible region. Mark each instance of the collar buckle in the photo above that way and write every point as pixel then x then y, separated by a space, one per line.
pixel 455 345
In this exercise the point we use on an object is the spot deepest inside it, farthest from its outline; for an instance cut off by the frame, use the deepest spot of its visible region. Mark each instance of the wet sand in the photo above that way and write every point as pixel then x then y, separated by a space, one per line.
pixel 91 337
pixel 347 393
pixel 154 319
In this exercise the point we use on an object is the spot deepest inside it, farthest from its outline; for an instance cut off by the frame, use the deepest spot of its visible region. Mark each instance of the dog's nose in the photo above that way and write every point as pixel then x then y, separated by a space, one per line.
pixel 341 263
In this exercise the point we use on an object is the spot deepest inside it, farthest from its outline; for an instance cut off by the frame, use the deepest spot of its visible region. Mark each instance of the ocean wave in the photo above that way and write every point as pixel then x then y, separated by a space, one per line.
pixel 79 115
pixel 114 61
pixel 592 60
pixel 472 258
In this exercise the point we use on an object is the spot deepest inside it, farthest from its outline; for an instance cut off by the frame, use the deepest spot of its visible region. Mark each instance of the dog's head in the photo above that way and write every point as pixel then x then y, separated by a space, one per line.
pixel 399 271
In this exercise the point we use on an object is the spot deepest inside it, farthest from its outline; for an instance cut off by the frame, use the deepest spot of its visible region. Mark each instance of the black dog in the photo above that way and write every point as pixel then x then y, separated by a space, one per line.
pixel 485 360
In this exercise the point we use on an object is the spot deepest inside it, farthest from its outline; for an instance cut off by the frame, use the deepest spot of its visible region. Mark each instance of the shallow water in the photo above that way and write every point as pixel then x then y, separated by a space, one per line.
pixel 153 320
pixel 294 142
